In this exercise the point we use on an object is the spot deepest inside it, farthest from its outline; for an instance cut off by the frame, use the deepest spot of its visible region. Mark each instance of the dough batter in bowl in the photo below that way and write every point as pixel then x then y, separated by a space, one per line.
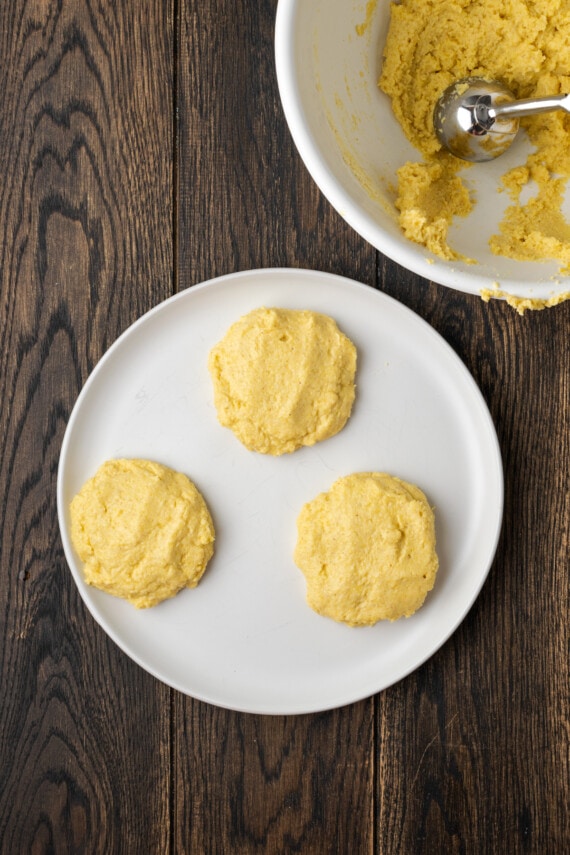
pixel 525 45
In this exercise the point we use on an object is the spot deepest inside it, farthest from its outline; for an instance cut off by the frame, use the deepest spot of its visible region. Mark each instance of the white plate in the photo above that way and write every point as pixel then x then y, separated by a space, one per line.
pixel 245 639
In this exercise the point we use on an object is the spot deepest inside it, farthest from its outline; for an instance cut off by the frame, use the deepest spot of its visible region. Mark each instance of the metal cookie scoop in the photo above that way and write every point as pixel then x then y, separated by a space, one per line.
pixel 477 119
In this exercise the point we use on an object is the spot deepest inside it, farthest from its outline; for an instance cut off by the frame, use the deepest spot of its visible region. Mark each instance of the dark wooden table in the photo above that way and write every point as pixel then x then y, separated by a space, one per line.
pixel 144 149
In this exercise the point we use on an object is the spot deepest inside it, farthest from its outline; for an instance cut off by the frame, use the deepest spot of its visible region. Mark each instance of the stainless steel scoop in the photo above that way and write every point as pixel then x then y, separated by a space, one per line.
pixel 477 119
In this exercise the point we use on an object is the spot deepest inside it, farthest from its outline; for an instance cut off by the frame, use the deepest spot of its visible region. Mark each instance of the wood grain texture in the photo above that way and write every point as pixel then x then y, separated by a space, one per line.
pixel 144 149
pixel 295 784
pixel 273 784
pixel 483 765
pixel 86 246
pixel 245 199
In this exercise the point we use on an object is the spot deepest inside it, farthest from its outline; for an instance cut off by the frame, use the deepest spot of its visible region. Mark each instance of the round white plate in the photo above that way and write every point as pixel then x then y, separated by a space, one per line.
pixel 245 638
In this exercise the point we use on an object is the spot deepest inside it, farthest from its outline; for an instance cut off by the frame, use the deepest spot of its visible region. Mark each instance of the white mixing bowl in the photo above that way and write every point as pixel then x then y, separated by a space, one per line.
pixel 328 59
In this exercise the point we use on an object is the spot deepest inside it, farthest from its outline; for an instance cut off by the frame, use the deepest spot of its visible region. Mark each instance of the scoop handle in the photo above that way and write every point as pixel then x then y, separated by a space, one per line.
pixel 530 106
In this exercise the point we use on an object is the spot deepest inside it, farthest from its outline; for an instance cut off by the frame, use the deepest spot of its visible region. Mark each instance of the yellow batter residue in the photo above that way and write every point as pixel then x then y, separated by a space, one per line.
pixel 524 44
pixel 283 378
pixel 142 530
pixel 367 549
pixel 369 14
pixel 523 304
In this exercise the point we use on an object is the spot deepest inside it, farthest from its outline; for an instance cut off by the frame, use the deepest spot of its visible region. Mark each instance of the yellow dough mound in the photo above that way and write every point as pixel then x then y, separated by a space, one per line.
pixel 142 530
pixel 367 549
pixel 283 378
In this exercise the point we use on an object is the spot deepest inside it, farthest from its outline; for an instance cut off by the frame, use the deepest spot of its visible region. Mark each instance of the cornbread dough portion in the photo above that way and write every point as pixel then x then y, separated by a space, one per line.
pixel 142 530
pixel 367 549
pixel 283 378
pixel 526 45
